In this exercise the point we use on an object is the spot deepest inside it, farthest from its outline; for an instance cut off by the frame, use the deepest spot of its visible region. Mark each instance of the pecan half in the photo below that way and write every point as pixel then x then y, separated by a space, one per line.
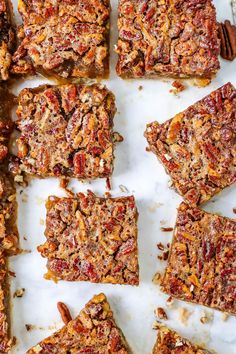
pixel 227 33
pixel 64 312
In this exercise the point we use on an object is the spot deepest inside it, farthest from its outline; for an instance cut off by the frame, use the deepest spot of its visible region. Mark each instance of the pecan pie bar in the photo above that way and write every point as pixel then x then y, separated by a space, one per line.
pixel 201 265
pixel 93 331
pixel 170 342
pixel 8 214
pixel 5 340
pixel 92 239
pixel 175 38
pixel 7 38
pixel 64 39
pixel 198 146
pixel 66 131
pixel 6 124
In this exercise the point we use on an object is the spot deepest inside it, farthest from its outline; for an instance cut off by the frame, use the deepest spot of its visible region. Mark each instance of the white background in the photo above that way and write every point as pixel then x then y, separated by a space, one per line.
pixel 140 172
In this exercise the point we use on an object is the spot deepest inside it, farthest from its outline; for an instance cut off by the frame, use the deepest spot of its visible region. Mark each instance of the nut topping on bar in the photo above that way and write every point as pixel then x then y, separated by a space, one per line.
pixel 92 239
pixel 198 146
pixel 66 131
pixel 175 38
pixel 94 331
pixel 201 265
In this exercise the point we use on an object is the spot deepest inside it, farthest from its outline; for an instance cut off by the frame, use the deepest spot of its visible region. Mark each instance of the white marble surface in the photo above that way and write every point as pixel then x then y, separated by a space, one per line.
pixel 140 172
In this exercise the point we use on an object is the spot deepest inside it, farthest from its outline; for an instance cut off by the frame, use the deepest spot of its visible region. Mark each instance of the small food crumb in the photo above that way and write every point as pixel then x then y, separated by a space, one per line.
pixel 19 292
pixel 108 184
pixel 184 315
pixel 24 198
pixel 29 327
pixel 160 246
pixel 40 201
pixel 156 325
pixel 25 238
pixel 123 188
pixel 234 210
pixel 178 87
pixel 167 229
pixel 161 314
pixel 156 279
pixel 164 256
pixel 152 208
pixel 170 301
pixel 225 316
pixel 201 82
pixel 41 221
pixel 206 317
pixel 140 88
pixel 163 222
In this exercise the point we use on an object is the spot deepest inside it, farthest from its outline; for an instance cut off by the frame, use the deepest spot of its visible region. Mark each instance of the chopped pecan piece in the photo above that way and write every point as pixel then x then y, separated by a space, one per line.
pixel 94 330
pixel 64 312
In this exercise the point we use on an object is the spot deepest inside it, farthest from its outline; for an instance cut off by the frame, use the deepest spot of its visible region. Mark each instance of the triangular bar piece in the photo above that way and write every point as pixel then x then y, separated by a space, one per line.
pixel 94 331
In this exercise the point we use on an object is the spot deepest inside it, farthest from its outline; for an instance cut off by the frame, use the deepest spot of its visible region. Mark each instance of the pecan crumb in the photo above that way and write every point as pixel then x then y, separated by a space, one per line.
pixel 29 327
pixel 41 221
pixel 160 246
pixel 161 314
pixel 117 138
pixel 19 292
pixel 234 210
pixel 202 82
pixel 11 273
pixel 170 301
pixel 225 316
pixel 178 87
pixel 123 188
pixel 167 229
pixel 184 315
pixel 64 312
pixel 140 88
pixel 206 317
pixel 156 325
pixel 164 256
pixel 108 184
pixel 156 279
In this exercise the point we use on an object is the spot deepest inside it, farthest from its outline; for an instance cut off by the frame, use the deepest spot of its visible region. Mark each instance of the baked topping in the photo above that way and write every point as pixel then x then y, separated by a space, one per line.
pixel 93 331
pixel 6 124
pixel 8 214
pixel 91 238
pixel 168 38
pixel 201 265
pixel 7 38
pixel 64 39
pixel 66 131
pixel 198 146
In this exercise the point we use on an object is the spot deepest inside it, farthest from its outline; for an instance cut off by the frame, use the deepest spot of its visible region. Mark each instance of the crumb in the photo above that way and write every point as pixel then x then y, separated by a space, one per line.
pixel 234 210
pixel 24 198
pixel 19 292
pixel 184 315
pixel 170 301
pixel 108 184
pixel 29 327
pixel 40 201
pixel 167 229
pixel 164 256
pixel 157 278
pixel 11 273
pixel 41 221
pixel 201 82
pixel 206 317
pixel 123 188
pixel 140 88
pixel 225 316
pixel 25 238
pixel 117 138
pixel 163 222
pixel 178 87
pixel 160 246
pixel 64 182
pixel 156 325
pixel 161 314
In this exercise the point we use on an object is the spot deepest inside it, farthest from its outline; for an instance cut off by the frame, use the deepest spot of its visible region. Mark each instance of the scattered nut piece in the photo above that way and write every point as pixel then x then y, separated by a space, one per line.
pixel 123 188
pixel 41 221
pixel 117 138
pixel 108 184
pixel 156 279
pixel 227 34
pixel 156 325
pixel 225 316
pixel 24 198
pixel 160 246
pixel 234 210
pixel 64 312
pixel 19 292
pixel 140 88
pixel 170 301
pixel 161 314
pixel 206 317
pixel 184 315
pixel 164 256
pixel 201 82
pixel 29 327
pixel 178 87
pixel 167 229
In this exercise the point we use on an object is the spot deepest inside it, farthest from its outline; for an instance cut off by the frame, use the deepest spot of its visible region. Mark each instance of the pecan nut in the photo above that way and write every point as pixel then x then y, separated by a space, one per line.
pixel 227 33
pixel 64 312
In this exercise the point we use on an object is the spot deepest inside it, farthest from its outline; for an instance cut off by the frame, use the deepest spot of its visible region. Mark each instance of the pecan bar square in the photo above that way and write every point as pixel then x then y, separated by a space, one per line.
pixel 8 214
pixel 198 146
pixel 66 131
pixel 6 124
pixel 94 330
pixel 7 38
pixel 170 342
pixel 64 39
pixel 92 239
pixel 201 266
pixel 5 340
pixel 175 38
